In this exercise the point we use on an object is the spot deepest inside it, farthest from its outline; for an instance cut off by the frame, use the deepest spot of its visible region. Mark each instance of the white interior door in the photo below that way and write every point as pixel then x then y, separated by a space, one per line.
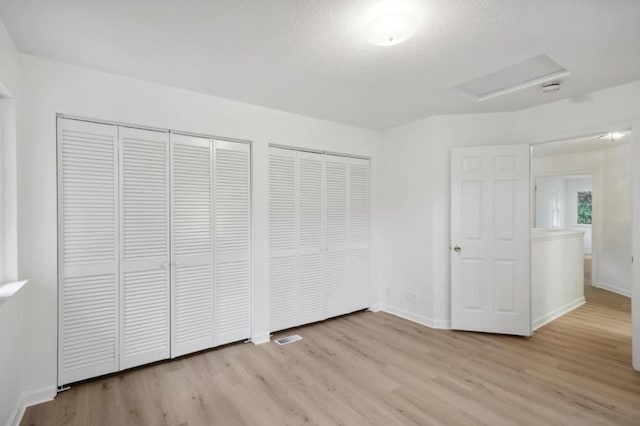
pixel 336 235
pixel 88 250
pixel 232 189
pixel 192 244
pixel 283 254
pixel 144 242
pixel 490 263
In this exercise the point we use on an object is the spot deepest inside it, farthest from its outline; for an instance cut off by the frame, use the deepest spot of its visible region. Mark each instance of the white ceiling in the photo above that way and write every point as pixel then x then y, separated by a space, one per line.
pixel 311 57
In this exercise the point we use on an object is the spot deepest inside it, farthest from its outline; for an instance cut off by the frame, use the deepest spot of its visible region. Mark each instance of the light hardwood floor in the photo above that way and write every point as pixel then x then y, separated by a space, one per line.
pixel 374 368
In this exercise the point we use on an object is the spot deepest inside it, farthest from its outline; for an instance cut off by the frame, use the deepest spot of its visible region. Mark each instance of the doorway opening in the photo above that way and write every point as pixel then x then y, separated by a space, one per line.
pixel 581 239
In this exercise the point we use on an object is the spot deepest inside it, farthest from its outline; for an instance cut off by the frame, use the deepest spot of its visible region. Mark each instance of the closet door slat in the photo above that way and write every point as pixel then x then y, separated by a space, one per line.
pixel 232 298
pixel 88 239
pixel 359 293
pixel 192 244
pixel 283 253
pixel 144 246
pixel 336 235
pixel 311 291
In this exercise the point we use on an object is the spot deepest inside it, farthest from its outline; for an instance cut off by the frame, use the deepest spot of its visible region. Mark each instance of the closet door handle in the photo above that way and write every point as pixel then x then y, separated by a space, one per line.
pixel 164 265
pixel 177 262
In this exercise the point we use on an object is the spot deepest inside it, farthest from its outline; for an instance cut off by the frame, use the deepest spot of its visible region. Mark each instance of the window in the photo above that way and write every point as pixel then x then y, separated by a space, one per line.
pixel 584 208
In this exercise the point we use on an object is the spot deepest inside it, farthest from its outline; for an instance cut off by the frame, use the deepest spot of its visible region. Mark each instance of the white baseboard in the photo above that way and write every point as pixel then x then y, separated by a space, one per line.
pixel 28 399
pixel 614 289
pixel 556 313
pixel 259 339
pixel 375 308
pixel 417 318
pixel 442 324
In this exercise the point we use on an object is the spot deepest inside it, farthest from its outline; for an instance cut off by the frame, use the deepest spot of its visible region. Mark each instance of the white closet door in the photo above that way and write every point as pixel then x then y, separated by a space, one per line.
pixel 144 241
pixel 192 244
pixel 232 298
pixel 88 238
pixel 336 239
pixel 283 256
pixel 310 237
pixel 358 234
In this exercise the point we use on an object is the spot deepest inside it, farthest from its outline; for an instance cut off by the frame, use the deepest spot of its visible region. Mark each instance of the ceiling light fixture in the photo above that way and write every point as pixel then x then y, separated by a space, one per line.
pixel 391 29
pixel 614 136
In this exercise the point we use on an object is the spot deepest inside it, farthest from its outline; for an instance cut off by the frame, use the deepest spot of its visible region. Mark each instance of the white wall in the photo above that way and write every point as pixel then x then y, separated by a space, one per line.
pixel 590 162
pixel 406 255
pixel 414 209
pixel 12 311
pixel 614 108
pixel 563 191
pixel 51 88
pixel 550 202
pixel 614 264
pixel 635 232
pixel 611 244
pixel 557 275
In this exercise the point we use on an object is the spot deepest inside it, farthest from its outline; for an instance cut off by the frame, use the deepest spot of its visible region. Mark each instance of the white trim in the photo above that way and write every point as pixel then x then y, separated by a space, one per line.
pixel 635 249
pixel 525 85
pixel 318 151
pixel 417 318
pixel 442 324
pixel 259 339
pixel 375 308
pixel 27 399
pixel 557 313
pixel 8 290
pixel 613 289
pixel 154 129
pixel 5 93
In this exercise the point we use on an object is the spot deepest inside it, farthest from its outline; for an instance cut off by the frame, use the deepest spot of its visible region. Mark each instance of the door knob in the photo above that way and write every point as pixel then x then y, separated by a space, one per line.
pixel 164 264
pixel 457 249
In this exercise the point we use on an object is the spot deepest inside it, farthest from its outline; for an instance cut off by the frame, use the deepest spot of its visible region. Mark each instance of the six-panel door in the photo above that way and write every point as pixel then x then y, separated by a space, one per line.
pixel 490 289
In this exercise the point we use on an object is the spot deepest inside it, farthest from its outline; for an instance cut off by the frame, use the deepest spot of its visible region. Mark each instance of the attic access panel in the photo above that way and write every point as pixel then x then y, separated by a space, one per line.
pixel 528 73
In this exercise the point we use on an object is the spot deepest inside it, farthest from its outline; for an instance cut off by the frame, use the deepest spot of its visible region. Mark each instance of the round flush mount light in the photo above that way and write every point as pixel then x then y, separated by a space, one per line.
pixel 391 29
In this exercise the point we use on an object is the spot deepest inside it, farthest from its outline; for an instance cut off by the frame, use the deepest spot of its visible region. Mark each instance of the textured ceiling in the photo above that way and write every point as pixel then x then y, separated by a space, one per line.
pixel 311 57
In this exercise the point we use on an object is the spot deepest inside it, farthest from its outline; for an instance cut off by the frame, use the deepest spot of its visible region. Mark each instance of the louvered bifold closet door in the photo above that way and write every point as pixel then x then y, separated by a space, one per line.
pixel 88 261
pixel 232 189
pixel 192 244
pixel 310 237
pixel 283 255
pixel 144 242
pixel 336 235
pixel 358 234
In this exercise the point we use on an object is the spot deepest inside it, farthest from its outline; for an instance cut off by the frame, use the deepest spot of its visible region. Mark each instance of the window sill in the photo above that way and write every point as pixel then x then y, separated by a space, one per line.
pixel 10 289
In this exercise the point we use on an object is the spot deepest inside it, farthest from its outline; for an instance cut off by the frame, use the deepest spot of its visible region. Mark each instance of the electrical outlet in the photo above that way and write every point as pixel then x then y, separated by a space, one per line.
pixel 387 291
pixel 410 296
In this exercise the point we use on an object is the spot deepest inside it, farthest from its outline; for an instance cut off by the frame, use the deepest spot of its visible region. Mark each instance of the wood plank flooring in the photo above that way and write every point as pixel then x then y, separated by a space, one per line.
pixel 377 369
